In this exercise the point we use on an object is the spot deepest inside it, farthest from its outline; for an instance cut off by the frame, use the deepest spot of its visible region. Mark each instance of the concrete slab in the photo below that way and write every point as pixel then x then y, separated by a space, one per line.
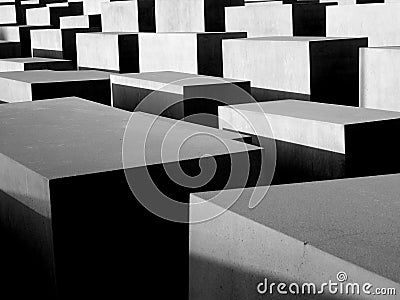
pixel 115 52
pixel 192 16
pixel 9 49
pixel 46 84
pixel 51 150
pixel 57 43
pixel 128 16
pixel 378 22
pixel 300 233
pixel 318 125
pixel 21 34
pixel 196 96
pixel 86 21
pixel 266 18
pixel 8 14
pixel 305 68
pixel 51 15
pixel 34 63
pixel 195 53
pixel 379 82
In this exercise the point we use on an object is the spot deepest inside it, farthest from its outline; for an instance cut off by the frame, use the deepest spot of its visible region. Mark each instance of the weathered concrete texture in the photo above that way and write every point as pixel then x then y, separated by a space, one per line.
pixel 177 95
pixel 323 126
pixel 265 19
pixel 21 34
pixel 192 16
pixel 45 84
pixel 128 16
pixel 379 80
pixel 57 43
pixel 379 22
pixel 195 53
pixel 8 14
pixel 299 233
pixel 35 63
pixel 86 21
pixel 9 49
pixel 116 52
pixel 51 15
pixel 57 153
pixel 306 68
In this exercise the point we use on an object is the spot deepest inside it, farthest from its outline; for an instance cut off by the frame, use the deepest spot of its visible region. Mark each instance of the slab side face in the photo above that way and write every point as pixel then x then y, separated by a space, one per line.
pixel 378 22
pixel 173 52
pixel 97 50
pixel 15 91
pixel 50 39
pixel 120 16
pixel 180 16
pixel 260 20
pixel 379 79
pixel 268 64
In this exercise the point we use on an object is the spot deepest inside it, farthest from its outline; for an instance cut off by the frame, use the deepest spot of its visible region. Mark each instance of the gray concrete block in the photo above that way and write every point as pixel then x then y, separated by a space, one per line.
pixel 21 34
pixel 195 53
pixel 305 68
pixel 9 49
pixel 44 84
pixel 86 21
pixel 177 95
pixel 378 22
pixel 128 16
pixel 8 14
pixel 191 16
pixel 300 233
pixel 379 82
pixel 34 63
pixel 51 15
pixel 57 43
pixel 62 152
pixel 116 52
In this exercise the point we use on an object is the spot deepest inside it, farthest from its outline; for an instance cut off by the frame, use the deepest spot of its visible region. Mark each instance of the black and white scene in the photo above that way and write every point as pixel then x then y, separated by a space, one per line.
pixel 199 149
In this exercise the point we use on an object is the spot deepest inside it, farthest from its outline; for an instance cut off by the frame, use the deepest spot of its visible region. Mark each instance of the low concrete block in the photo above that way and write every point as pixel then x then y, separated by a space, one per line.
pixel 9 49
pixel 66 151
pixel 45 84
pixel 128 16
pixel 194 98
pixel 8 14
pixel 86 21
pixel 116 52
pixel 51 15
pixel 379 82
pixel 378 22
pixel 57 43
pixel 195 53
pixel 272 18
pixel 192 16
pixel 21 34
pixel 300 233
pixel 34 63
pixel 305 68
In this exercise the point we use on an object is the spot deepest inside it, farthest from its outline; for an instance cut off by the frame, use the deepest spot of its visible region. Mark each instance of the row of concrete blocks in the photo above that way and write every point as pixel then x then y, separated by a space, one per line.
pixel 62 153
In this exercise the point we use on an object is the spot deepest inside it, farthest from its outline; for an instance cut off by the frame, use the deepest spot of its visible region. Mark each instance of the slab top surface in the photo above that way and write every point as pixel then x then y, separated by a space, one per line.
pixel 43 76
pixel 294 39
pixel 321 112
pixel 70 136
pixel 353 219
pixel 24 60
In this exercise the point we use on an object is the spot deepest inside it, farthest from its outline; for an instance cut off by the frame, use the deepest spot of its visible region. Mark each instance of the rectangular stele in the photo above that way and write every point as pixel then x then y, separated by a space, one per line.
pixel 379 80
pixel 44 84
pixel 320 140
pixel 273 18
pixel 51 14
pixel 306 68
pixel 176 95
pixel 84 21
pixel 34 63
pixel 378 21
pixel 299 233
pixel 64 170
pixel 192 16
